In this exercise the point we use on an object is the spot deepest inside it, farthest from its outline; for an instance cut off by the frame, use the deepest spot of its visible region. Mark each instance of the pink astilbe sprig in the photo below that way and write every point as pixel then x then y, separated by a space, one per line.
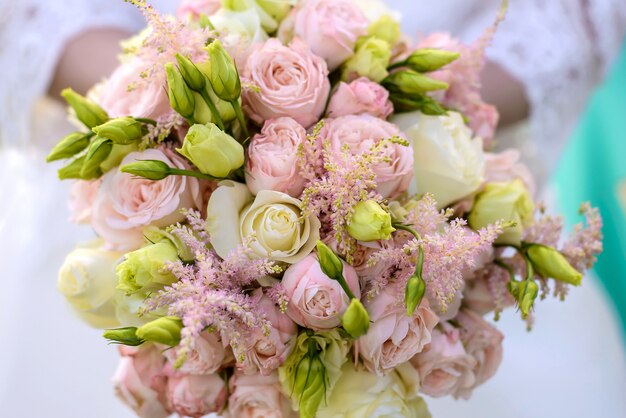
pixel 424 217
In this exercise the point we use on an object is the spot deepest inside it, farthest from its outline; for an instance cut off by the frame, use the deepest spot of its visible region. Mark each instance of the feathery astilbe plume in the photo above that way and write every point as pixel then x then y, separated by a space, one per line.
pixel 425 218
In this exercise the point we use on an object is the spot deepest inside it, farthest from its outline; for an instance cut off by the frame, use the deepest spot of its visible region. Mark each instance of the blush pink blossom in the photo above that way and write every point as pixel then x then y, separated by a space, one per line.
pixel 273 158
pixel 267 352
pixel 314 300
pixel 506 166
pixel 195 8
pixel 330 27
pixel 139 381
pixel 288 81
pixel 393 337
pixel 82 196
pixel 206 356
pixel 257 396
pixel 126 204
pixel 360 134
pixel 196 395
pixel 359 97
pixel 445 368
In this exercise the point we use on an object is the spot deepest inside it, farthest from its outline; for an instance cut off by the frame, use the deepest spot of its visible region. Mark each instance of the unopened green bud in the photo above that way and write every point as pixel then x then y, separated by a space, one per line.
pixel 69 146
pixel 125 336
pixel 427 59
pixel 525 292
pixel 310 385
pixel 181 97
pixel 370 222
pixel 330 263
pixel 356 320
pixel 117 155
pixel 212 150
pixel 370 60
pixel 99 151
pixel 121 131
pixel 277 9
pixel 386 28
pixel 412 82
pixel 191 74
pixel 549 262
pixel 72 170
pixel 142 270
pixel 88 112
pixel 148 169
pixel 165 330
pixel 223 73
pixel 414 293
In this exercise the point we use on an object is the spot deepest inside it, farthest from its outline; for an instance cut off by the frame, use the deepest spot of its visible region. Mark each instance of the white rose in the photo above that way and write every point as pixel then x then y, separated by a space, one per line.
pixel 239 32
pixel 375 9
pixel 273 219
pixel 87 280
pixel 448 162
pixel 360 394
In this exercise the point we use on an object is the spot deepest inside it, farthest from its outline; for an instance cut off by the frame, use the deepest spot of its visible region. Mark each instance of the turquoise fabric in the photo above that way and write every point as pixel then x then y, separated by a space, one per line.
pixel 593 168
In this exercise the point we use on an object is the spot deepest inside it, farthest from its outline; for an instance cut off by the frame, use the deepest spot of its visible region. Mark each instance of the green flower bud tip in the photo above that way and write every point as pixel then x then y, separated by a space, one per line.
pixel 527 292
pixel 412 82
pixel 370 222
pixel 181 97
pixel 427 60
pixel 414 293
pixel 98 152
pixel 331 264
pixel 310 385
pixel 88 112
pixel 386 28
pixel 165 330
pixel 549 262
pixel 72 170
pixel 122 131
pixel 356 320
pixel 191 74
pixel 149 169
pixel 125 336
pixel 212 150
pixel 69 146
pixel 371 60
pixel 223 73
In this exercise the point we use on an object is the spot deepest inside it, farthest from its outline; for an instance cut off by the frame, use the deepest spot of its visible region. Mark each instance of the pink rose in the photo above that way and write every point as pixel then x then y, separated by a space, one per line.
pixel 195 8
pixel 126 93
pixel 359 97
pixel 330 27
pixel 360 134
pixel 506 166
pixel 139 381
pixel 483 342
pixel 267 352
pixel 257 396
pixel 315 300
pixel 291 81
pixel 82 197
pixel 393 337
pixel 272 158
pixel 196 395
pixel 207 355
pixel 444 367
pixel 126 204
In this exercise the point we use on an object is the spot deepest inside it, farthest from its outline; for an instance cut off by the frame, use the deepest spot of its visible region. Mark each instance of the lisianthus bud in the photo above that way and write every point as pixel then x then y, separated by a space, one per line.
pixel 72 170
pixel 181 97
pixel 386 28
pixel 503 201
pixel 549 262
pixel 125 336
pixel 370 60
pixel 149 169
pixel 190 73
pixel 329 261
pixel 277 9
pixel 69 146
pixel 414 293
pixel 165 330
pixel 143 269
pixel 223 73
pixel 525 292
pixel 98 152
pixel 122 131
pixel 370 222
pixel 356 320
pixel 89 113
pixel 310 383
pixel 413 83
pixel 427 60
pixel 212 150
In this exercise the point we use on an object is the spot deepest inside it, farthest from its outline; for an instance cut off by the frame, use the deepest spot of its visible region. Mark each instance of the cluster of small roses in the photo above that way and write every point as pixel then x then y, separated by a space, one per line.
pixel 282 239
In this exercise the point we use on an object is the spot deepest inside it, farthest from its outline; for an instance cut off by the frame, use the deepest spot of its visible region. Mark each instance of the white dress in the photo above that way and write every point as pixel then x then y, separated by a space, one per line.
pixel 572 365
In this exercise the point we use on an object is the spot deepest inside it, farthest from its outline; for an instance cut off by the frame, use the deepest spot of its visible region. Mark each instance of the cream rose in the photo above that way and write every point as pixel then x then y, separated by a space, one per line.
pixel 257 396
pixel 449 163
pixel 239 31
pixel 274 220
pixel 87 279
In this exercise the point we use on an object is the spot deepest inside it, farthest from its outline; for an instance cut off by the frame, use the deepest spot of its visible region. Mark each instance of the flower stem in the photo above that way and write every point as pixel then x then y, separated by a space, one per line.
pixel 241 119
pixel 216 114
pixel 189 173
pixel 420 249
pixel 147 121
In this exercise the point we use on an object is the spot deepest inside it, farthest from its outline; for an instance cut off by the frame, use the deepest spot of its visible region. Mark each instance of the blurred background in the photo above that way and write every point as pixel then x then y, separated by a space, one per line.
pixel 557 72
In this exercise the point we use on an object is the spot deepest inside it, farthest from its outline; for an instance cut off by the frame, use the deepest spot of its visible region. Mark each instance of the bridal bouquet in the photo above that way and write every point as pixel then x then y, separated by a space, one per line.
pixel 299 214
